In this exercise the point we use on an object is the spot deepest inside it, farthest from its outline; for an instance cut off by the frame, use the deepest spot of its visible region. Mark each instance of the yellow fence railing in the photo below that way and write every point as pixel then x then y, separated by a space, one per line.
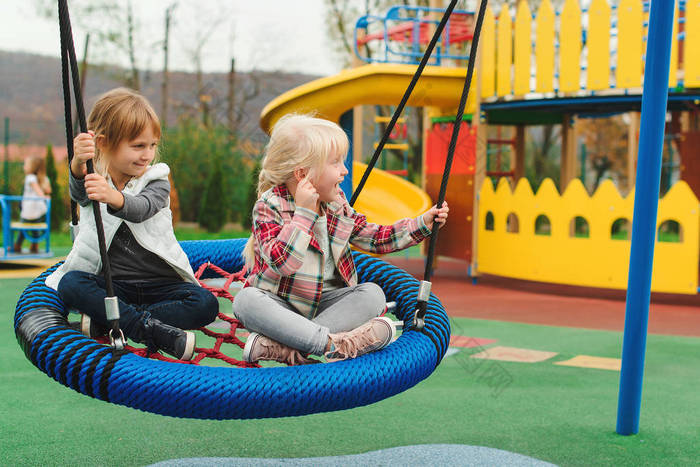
pixel 563 62
pixel 571 238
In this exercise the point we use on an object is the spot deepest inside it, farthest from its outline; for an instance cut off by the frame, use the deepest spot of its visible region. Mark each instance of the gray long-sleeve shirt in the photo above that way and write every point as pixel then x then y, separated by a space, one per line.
pixel 130 261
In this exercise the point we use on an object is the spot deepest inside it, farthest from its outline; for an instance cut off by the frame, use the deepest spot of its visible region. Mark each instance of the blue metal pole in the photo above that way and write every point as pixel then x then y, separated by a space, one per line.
pixel 646 200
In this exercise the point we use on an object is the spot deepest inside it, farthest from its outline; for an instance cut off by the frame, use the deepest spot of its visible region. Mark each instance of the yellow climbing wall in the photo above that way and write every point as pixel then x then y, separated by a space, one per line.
pixel 523 49
pixel 487 45
pixel 596 261
pixel 628 73
pixel 611 58
pixel 504 53
pixel 570 47
pixel 692 44
pixel 544 47
pixel 598 46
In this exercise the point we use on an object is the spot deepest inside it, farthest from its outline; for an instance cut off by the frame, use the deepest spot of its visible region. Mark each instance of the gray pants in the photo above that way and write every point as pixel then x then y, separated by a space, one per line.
pixel 339 310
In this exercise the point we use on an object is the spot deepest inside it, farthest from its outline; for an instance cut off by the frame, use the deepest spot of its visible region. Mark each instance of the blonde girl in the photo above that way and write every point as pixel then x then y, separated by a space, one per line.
pixel 33 210
pixel 157 291
pixel 301 295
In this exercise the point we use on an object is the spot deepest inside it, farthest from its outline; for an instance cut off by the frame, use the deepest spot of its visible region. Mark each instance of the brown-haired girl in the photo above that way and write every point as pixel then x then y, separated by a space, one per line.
pixel 33 208
pixel 153 280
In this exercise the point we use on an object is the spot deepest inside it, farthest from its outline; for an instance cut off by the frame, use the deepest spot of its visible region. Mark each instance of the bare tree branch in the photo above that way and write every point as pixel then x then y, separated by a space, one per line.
pixel 340 24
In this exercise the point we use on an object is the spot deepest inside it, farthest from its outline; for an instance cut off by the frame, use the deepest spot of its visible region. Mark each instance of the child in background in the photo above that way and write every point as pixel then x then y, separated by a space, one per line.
pixel 36 185
pixel 153 280
pixel 302 296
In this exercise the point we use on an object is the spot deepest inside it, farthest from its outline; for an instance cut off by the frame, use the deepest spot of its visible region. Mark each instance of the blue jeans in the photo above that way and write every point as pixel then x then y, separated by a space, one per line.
pixel 339 310
pixel 180 304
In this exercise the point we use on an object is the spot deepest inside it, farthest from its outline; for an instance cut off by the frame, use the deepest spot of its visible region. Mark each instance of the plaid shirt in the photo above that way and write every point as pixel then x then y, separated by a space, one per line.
pixel 288 259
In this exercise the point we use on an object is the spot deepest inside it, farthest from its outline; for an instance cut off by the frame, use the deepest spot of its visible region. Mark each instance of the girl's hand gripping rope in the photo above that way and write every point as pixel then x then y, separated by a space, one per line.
pixel 84 149
pixel 430 217
pixel 436 214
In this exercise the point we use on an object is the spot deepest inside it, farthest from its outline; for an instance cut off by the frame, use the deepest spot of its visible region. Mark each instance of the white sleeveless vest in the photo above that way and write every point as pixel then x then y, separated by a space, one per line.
pixel 154 234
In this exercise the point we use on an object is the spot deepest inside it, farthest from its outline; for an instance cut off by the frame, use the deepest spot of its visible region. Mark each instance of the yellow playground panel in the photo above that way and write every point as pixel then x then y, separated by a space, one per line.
pixel 557 255
pixel 508 43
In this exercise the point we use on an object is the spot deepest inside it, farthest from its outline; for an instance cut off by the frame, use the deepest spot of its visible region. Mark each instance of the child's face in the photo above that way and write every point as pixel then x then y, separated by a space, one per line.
pixel 132 158
pixel 329 179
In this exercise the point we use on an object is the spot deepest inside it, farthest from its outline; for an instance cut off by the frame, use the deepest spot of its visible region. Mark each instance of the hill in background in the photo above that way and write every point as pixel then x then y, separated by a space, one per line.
pixel 31 95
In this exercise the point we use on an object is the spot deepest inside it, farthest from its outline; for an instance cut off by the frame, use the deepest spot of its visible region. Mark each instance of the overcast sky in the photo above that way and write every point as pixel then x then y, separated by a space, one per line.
pixel 284 35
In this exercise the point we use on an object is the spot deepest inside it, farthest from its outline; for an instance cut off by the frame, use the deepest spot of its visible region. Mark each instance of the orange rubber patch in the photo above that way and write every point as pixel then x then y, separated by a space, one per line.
pixel 587 361
pixel 513 354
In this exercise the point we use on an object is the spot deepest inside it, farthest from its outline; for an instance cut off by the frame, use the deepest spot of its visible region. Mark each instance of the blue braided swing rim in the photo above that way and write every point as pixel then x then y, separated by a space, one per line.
pixel 192 391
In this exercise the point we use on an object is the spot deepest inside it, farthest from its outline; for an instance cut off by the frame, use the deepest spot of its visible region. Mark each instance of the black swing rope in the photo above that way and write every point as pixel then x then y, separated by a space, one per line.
pixel 68 60
pixel 424 290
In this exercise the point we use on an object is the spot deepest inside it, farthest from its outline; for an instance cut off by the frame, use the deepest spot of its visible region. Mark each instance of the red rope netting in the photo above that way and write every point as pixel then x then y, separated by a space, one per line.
pixel 228 337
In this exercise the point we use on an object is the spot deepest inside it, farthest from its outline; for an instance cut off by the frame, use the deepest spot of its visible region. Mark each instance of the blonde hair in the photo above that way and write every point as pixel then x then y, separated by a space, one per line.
pixel 119 115
pixel 37 166
pixel 297 141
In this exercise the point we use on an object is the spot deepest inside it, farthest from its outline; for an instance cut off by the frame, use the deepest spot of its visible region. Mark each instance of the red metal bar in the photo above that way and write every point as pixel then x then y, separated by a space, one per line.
pixel 460 31
pixel 510 142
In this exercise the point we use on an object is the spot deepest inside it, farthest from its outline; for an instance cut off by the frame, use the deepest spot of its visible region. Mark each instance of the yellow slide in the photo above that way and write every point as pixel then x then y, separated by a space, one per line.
pixel 386 198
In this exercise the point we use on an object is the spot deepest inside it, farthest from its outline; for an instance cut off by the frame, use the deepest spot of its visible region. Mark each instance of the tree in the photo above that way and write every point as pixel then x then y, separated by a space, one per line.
pixel 204 22
pixel 247 215
pixel 58 201
pixel 606 142
pixel 543 155
pixel 115 29
pixel 166 73
pixel 214 211
pixel 189 148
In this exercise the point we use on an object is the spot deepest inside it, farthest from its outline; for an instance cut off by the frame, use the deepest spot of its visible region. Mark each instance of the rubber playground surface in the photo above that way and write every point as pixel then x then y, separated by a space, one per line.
pixel 529 378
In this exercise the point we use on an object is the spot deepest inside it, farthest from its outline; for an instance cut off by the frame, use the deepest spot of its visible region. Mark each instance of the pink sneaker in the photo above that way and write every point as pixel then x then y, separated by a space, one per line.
pixel 375 334
pixel 259 347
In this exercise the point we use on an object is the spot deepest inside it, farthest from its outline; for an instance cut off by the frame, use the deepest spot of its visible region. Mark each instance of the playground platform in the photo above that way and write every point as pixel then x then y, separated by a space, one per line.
pixel 518 301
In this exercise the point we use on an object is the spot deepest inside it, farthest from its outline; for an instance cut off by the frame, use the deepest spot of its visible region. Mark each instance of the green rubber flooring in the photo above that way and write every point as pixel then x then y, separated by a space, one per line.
pixel 563 415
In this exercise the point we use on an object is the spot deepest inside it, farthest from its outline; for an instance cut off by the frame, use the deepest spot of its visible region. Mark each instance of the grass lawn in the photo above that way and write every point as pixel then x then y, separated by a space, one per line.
pixel 559 414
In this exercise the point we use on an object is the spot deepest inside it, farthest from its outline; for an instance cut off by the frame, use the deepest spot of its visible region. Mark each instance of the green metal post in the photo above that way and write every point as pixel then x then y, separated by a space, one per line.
pixel 6 167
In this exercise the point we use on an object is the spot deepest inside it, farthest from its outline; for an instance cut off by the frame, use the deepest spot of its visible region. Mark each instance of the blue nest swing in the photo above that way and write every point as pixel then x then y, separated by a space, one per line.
pixel 192 391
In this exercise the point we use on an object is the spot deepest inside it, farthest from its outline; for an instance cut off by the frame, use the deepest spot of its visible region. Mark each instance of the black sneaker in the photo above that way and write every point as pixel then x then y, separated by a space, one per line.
pixel 169 339
pixel 89 328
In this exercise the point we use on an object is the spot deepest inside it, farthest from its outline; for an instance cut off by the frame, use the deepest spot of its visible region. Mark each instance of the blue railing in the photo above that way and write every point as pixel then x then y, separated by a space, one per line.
pixel 411 18
pixel 386 50
pixel 36 234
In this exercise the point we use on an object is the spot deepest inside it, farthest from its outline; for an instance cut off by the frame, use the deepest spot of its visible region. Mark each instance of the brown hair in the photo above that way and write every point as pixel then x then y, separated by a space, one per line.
pixel 120 115
pixel 37 166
